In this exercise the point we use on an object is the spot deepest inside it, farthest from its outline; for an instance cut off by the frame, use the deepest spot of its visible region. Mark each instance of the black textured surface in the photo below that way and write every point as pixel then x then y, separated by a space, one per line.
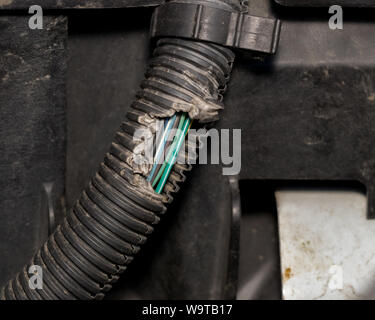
pixel 101 90
pixel 32 133
pixel 259 267
pixel 74 4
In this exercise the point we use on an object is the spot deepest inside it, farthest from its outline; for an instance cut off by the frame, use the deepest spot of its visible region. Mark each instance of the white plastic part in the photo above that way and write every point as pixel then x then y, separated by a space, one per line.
pixel 327 245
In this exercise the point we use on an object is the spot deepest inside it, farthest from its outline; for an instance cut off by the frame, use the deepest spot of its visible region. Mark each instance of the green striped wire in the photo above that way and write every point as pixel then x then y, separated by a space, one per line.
pixel 171 162
pixel 162 144
pixel 170 152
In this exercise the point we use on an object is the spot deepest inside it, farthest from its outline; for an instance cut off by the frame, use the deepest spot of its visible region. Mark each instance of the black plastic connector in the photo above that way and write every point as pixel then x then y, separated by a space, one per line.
pixel 230 28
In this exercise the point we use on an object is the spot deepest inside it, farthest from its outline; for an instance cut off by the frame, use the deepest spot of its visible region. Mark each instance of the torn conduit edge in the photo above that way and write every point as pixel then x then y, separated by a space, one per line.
pixel 184 76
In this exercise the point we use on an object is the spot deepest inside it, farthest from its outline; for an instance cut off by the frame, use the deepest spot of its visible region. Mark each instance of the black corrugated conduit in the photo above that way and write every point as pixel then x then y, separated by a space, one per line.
pixel 118 210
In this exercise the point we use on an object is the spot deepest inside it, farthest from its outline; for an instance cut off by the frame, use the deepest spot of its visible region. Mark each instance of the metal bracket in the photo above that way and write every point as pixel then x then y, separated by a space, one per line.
pixel 216 25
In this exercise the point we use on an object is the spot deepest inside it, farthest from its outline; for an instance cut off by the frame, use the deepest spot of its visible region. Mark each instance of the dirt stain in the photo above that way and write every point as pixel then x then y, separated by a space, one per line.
pixel 287 274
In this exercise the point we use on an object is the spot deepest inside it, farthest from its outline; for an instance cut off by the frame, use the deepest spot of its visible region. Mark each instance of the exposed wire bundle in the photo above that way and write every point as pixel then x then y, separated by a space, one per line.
pixel 170 145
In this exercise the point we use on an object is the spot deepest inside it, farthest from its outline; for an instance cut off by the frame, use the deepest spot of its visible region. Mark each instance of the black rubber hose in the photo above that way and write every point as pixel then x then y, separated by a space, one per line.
pixel 117 212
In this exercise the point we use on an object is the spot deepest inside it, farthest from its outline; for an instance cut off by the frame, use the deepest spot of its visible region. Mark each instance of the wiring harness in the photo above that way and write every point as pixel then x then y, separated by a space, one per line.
pixel 118 210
